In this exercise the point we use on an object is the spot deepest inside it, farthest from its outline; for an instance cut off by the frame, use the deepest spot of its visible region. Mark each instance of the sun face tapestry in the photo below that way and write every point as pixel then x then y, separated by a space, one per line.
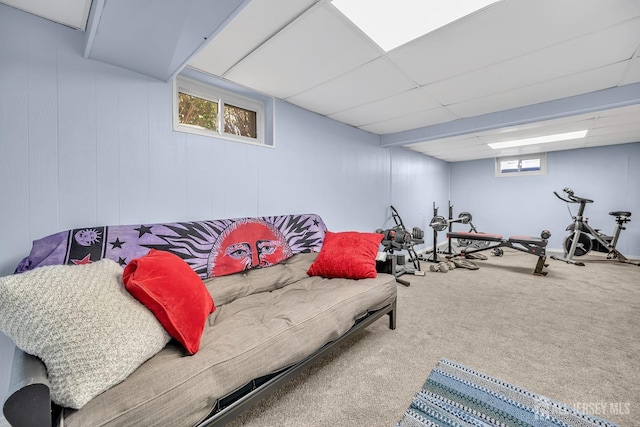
pixel 211 248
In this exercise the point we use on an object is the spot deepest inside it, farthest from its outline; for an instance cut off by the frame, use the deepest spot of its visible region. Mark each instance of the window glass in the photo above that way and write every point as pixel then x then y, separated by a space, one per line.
pixel 509 166
pixel 526 164
pixel 205 109
pixel 240 121
pixel 530 165
pixel 198 112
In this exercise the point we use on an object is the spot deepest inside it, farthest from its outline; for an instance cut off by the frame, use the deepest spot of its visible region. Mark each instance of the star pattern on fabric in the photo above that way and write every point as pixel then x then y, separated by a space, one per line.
pixel 143 229
pixel 85 260
pixel 116 244
pixel 122 261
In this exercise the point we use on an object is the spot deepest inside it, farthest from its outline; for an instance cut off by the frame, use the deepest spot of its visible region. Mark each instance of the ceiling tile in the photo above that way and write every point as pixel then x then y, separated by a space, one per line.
pixel 370 82
pixel 585 82
pixel 411 121
pixel 611 140
pixel 317 47
pixel 72 13
pixel 632 74
pixel 507 30
pixel 402 104
pixel 453 154
pixel 234 42
pixel 619 118
pixel 592 51
pixel 541 127
pixel 614 126
pixel 627 129
pixel 463 141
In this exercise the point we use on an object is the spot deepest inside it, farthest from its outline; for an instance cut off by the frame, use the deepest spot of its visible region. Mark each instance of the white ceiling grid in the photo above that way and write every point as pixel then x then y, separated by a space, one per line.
pixel 316 47
pixel 512 54
pixel 390 108
pixel 368 83
pixel 235 42
pixel 509 56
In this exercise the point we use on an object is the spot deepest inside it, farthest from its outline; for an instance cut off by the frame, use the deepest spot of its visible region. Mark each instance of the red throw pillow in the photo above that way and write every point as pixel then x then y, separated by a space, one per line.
pixel 176 295
pixel 349 255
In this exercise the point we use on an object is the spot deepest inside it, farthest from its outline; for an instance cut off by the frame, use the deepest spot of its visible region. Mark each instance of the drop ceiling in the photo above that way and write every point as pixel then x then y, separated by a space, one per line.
pixel 516 69
pixel 72 13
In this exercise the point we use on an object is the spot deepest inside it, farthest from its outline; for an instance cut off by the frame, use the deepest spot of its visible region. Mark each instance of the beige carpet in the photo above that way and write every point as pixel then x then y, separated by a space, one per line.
pixel 573 336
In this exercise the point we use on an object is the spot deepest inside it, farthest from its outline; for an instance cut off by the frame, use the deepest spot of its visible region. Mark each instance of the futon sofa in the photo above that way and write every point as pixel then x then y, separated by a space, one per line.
pixel 181 324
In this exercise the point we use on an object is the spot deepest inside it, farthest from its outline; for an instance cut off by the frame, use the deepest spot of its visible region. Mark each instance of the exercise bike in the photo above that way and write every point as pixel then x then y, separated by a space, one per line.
pixel 583 238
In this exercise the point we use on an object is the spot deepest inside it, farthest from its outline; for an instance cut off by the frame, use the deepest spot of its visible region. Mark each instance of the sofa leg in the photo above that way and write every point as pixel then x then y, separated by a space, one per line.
pixel 392 316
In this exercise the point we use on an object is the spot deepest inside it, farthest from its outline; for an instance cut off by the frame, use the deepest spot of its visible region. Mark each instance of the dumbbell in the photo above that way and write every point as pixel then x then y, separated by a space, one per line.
pixel 442 266
pixel 440 223
pixel 400 235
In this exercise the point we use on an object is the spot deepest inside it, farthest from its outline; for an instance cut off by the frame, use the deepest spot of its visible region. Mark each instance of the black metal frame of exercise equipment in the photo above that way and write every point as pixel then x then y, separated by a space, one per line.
pixel 582 238
pixel 471 243
pixel 495 242
pixel 527 244
pixel 400 238
pixel 440 223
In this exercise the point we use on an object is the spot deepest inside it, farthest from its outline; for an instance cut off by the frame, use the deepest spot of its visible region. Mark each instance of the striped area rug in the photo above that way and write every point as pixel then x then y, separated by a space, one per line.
pixel 455 395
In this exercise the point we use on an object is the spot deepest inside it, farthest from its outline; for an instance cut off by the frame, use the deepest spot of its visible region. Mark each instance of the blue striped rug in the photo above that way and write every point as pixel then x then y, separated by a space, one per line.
pixel 455 395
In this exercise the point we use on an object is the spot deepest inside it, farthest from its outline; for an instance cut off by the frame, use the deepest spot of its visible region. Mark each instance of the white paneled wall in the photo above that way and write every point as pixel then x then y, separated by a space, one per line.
pixel 87 144
pixel 15 172
pixel 334 171
pixel 416 184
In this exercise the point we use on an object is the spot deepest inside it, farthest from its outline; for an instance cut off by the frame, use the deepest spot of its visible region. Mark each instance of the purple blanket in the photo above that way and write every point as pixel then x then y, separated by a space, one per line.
pixel 211 248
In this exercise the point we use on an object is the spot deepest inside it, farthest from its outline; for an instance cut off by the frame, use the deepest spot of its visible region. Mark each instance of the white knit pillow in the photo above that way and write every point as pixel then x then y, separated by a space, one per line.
pixel 82 323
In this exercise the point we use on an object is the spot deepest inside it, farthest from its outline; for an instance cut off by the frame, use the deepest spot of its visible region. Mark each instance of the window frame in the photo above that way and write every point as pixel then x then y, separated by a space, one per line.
pixel 221 96
pixel 520 158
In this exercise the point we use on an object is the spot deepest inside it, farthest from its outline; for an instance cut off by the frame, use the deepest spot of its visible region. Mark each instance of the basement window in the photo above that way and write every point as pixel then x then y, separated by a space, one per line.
pixel 529 164
pixel 205 109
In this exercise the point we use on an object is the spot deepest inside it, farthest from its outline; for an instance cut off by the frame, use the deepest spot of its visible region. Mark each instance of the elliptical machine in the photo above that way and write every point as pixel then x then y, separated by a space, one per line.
pixel 583 238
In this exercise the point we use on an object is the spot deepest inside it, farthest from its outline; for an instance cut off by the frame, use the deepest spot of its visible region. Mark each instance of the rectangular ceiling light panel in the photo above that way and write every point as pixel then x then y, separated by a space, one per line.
pixel 394 23
pixel 539 140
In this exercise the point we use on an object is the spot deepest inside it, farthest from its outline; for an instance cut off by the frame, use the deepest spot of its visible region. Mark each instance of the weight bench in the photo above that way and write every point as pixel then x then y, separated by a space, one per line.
pixel 531 245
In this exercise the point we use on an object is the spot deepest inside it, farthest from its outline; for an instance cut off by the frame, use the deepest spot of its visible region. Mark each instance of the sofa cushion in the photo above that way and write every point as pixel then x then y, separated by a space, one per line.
pixel 349 254
pixel 226 289
pixel 82 323
pixel 251 336
pixel 173 292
